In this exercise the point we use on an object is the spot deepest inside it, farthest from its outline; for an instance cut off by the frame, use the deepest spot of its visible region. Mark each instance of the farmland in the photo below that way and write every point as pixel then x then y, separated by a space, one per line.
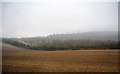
pixel 23 60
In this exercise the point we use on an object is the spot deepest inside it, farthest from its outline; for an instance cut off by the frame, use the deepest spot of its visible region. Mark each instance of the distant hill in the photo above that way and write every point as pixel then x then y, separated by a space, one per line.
pixel 87 35
pixel 68 41
pixel 75 36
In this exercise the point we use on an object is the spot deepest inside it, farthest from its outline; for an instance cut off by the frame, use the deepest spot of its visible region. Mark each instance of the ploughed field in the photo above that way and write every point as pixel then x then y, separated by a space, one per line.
pixel 23 60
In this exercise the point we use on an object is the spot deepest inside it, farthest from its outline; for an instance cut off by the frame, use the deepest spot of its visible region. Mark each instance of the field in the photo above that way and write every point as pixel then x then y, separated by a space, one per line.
pixel 23 60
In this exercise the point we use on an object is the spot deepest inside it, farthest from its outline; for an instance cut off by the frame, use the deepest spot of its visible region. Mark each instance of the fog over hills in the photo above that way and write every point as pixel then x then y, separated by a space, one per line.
pixel 74 36
pixel 89 35
pixel 73 41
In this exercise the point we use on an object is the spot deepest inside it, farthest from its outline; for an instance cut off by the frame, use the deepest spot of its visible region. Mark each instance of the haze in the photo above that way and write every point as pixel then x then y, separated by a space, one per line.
pixel 28 19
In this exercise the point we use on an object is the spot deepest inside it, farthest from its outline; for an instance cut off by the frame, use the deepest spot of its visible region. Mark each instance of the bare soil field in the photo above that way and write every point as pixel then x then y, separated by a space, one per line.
pixel 22 60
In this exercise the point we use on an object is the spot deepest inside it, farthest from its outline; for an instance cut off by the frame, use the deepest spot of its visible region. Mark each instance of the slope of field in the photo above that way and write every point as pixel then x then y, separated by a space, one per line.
pixel 23 60
pixel 0 56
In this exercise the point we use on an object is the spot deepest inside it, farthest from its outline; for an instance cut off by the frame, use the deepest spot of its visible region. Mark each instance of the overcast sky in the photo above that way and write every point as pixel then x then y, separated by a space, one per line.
pixel 28 19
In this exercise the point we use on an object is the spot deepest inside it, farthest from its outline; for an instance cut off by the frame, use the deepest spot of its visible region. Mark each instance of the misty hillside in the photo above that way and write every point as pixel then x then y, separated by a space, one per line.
pixel 73 41
pixel 88 35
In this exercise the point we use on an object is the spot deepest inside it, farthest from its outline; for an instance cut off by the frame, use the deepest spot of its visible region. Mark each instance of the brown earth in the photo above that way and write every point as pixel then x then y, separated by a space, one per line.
pixel 22 60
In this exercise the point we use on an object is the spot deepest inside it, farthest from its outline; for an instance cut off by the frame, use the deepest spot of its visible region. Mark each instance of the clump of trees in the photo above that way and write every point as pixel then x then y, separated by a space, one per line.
pixel 14 43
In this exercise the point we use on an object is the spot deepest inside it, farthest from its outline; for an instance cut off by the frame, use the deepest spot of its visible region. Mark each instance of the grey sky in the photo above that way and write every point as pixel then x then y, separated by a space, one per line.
pixel 0 20
pixel 26 19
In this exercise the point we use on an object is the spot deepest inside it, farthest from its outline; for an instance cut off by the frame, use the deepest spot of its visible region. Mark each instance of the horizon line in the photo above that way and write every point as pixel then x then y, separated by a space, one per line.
pixel 56 34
